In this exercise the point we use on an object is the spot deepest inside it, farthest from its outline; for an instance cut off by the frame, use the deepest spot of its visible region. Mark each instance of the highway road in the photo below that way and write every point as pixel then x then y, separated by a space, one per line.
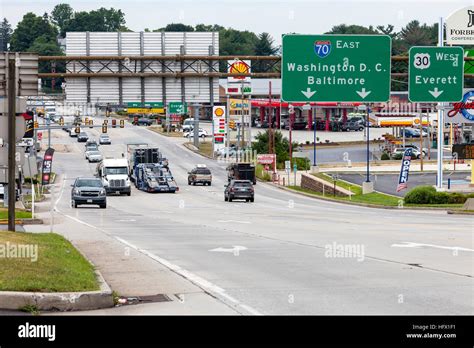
pixel 278 255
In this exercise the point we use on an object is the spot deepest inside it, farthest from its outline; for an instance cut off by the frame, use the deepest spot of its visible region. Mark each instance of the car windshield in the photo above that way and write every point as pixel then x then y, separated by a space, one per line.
pixel 116 170
pixel 104 137
pixel 91 147
pixel 94 153
pixel 204 171
pixel 88 183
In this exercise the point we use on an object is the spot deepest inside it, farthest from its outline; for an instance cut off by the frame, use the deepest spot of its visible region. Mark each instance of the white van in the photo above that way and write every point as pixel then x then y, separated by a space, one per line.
pixel 188 124
pixel 114 173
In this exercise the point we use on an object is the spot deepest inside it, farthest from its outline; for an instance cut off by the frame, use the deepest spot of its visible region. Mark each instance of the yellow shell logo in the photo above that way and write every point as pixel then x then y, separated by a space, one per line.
pixel 239 68
pixel 417 121
pixel 219 112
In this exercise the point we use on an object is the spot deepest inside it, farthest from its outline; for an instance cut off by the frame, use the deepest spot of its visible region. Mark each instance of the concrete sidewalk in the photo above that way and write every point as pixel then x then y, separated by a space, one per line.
pixel 131 273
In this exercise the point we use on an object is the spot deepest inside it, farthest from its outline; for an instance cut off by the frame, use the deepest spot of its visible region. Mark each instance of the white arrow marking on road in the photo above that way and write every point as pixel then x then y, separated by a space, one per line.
pixel 235 248
pixel 363 93
pixel 308 93
pixel 435 93
pixel 419 245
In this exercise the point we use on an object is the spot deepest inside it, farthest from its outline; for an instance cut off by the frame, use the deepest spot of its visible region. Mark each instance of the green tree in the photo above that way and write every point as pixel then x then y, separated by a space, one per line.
pixel 282 146
pixel 98 20
pixel 177 27
pixel 5 34
pixel 47 47
pixel 29 29
pixel 61 15
pixel 351 29
pixel 264 47
pixel 414 34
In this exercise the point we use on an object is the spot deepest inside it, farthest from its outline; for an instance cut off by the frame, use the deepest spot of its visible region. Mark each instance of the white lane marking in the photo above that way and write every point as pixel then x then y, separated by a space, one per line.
pixel 419 245
pixel 236 221
pixel 235 248
pixel 127 220
pixel 61 194
pixel 193 278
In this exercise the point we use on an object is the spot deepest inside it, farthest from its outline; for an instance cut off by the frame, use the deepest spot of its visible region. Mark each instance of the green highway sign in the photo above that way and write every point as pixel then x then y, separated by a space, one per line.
pixel 176 108
pixel 435 74
pixel 336 68
pixel 469 65
pixel 153 105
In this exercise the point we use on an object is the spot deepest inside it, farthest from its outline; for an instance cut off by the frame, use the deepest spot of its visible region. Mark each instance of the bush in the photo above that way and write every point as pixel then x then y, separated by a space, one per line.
pixel 429 195
pixel 385 157
pixel 440 198
pixel 420 195
pixel 457 198
pixel 262 174
pixel 397 156
pixel 302 163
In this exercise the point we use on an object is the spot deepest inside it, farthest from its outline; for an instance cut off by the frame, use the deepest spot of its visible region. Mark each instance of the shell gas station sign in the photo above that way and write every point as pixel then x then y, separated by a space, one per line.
pixel 219 127
pixel 238 66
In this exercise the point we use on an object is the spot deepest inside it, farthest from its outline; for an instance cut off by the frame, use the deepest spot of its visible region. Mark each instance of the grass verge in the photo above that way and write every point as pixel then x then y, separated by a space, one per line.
pixel 374 198
pixel 19 214
pixel 159 130
pixel 59 267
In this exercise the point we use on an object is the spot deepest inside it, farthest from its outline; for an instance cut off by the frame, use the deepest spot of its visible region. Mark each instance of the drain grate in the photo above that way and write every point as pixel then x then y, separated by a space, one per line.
pixel 132 300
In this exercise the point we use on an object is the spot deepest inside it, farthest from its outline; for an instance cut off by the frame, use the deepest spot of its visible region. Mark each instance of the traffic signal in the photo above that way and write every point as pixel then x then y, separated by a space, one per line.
pixel 114 123
pixel 122 123
pixel 36 124
pixel 91 123
pixel 106 122
pixel 104 128
pixel 77 130
pixel 232 124
pixel 61 121
pixel 86 121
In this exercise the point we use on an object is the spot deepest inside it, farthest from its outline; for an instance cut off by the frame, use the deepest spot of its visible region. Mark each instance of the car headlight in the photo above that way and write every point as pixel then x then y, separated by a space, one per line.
pixel 77 192
pixel 102 192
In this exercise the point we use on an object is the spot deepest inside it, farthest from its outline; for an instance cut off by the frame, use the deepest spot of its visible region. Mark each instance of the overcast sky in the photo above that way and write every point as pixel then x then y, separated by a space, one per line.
pixel 274 16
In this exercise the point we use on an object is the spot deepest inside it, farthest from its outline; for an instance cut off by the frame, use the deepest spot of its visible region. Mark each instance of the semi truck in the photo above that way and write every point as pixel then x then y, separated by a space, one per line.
pixel 241 171
pixel 149 169
pixel 114 173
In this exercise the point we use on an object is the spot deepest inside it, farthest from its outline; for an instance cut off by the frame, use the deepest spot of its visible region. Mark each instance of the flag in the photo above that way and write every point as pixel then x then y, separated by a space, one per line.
pixel 403 178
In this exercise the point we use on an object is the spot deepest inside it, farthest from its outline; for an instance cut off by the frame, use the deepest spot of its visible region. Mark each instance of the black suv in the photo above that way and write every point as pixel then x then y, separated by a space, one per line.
pixel 88 191
pixel 239 189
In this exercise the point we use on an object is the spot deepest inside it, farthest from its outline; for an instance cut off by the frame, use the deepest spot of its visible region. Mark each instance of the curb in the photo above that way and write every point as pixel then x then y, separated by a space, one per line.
pixel 23 222
pixel 60 301
pixel 460 212
pixel 375 206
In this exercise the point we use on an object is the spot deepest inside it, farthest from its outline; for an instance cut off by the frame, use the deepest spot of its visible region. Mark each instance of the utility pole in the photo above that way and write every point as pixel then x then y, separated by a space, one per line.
pixel 11 143
pixel 242 128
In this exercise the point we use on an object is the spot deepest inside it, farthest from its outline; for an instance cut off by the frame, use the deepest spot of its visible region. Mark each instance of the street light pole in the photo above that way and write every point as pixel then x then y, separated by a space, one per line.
pixel 314 140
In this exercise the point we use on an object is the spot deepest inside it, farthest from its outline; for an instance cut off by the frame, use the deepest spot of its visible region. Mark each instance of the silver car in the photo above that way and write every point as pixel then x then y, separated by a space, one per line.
pixel 94 156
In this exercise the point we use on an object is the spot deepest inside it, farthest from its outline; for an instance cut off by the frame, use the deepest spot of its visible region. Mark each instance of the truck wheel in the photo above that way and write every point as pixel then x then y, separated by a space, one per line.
pixel 209 183
pixel 230 199
pixel 74 204
pixel 194 183
pixel 252 199
pixel 225 198
pixel 189 182
pixel 129 194
pixel 103 206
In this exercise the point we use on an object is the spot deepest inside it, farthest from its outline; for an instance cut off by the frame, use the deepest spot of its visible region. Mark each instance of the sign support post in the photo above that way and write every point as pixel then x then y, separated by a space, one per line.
pixel 11 143
pixel 439 176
